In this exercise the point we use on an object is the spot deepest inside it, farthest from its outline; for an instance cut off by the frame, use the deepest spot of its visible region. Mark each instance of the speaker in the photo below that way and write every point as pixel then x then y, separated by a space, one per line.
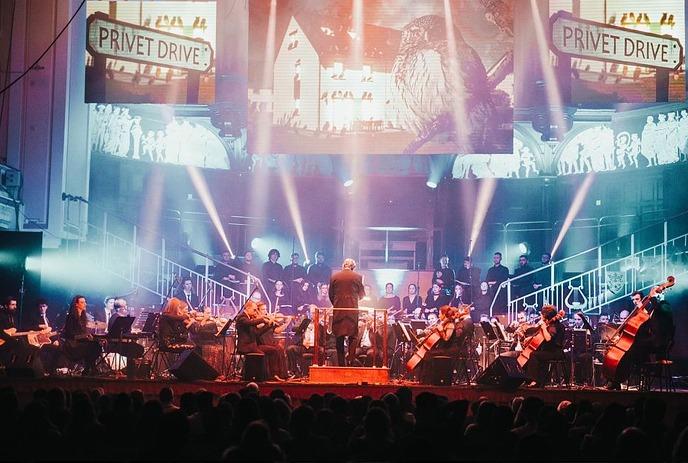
pixel 25 365
pixel 191 367
pixel 421 255
pixel 504 372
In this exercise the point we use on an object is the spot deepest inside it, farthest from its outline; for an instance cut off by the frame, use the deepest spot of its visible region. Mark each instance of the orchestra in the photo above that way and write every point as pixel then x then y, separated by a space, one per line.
pixel 417 330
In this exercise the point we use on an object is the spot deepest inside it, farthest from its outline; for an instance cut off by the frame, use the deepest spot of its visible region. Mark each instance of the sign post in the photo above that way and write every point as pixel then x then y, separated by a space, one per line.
pixel 110 38
pixel 580 38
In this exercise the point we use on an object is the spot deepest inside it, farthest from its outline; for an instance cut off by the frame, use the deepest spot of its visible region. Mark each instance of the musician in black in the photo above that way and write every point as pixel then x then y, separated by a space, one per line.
pixel 389 301
pixel 8 325
pixel 523 285
pixel 304 343
pixel 187 295
pixel 303 298
pixel 469 277
pixel 551 348
pixel 444 275
pixel 436 299
pixel 496 275
pixel 319 272
pixel 279 298
pixel 225 273
pixel 78 342
pixel 122 345
pixel 175 327
pixel 248 333
pixel 276 364
pixel 653 341
pixel 294 275
pixel 457 296
pixel 412 303
pixel 271 270
pixel 448 344
pixel 345 290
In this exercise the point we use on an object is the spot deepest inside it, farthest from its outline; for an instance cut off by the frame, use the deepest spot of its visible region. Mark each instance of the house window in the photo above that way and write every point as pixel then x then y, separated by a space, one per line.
pixel 293 40
pixel 338 71
pixel 367 74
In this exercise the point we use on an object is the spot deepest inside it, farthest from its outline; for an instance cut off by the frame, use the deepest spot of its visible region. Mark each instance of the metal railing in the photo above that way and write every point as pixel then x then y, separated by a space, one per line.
pixel 154 270
pixel 616 269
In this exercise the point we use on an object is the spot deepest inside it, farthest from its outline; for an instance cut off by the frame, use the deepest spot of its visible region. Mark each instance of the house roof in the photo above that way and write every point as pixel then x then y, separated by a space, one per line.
pixel 333 40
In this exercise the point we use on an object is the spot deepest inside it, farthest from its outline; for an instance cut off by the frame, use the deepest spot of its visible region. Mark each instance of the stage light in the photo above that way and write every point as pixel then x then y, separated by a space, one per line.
pixel 384 276
pixel 523 248
pixel 485 194
pixel 573 210
pixel 289 189
pixel 440 165
pixel 349 183
pixel 431 184
pixel 256 242
pixel 206 198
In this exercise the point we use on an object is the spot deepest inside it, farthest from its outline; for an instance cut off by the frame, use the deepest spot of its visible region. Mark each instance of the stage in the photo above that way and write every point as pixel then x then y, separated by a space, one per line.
pixel 302 390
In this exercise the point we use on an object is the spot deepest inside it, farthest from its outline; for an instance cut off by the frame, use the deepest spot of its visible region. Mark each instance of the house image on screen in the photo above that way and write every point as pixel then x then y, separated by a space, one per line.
pixel 320 85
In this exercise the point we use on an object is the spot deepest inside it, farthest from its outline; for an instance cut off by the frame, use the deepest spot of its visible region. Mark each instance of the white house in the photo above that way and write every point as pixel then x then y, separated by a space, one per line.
pixel 320 84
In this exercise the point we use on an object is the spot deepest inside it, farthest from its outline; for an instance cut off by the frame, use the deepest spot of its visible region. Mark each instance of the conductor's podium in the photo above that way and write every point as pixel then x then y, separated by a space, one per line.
pixel 348 375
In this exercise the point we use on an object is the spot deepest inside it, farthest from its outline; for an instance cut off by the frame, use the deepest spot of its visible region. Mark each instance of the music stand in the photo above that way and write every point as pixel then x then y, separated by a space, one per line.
pixel 120 327
pixel 151 321
pixel 302 326
pixel 489 331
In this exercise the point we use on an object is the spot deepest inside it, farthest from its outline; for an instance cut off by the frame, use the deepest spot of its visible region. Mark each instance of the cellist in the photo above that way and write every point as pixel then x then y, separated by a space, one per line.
pixel 552 347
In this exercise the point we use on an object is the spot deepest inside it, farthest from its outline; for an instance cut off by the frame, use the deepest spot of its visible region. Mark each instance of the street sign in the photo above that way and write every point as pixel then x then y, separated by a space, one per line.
pixel 592 40
pixel 129 42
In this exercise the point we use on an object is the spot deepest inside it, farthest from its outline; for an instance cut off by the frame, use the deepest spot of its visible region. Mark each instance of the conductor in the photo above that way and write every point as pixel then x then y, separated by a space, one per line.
pixel 346 289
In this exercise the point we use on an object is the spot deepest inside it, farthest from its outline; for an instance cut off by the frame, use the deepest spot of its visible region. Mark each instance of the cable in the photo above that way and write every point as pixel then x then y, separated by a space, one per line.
pixel 83 2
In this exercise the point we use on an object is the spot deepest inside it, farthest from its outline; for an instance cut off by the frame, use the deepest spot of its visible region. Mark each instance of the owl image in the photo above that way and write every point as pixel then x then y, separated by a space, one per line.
pixel 426 92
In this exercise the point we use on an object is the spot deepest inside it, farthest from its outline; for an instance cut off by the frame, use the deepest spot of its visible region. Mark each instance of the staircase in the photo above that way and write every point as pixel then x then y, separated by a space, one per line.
pixel 590 280
pixel 153 270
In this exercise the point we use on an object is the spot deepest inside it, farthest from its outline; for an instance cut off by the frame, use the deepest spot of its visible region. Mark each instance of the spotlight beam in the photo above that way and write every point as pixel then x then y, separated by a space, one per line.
pixel 293 204
pixel 201 186
pixel 485 194
pixel 458 102
pixel 576 204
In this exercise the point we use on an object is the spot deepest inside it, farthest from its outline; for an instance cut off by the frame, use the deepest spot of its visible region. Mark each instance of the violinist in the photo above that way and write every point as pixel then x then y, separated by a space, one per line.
pixel 551 348
pixel 248 332
pixel 277 324
pixel 175 326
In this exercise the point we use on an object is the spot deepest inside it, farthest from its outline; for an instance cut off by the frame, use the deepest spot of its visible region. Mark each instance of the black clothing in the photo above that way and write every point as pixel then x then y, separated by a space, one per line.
pixel 346 289
pixel 409 306
pixel 464 334
pixel 391 304
pixel 445 277
pixel 247 333
pixel 191 299
pixel 271 272
pixel 524 285
pixel 293 272
pixel 7 322
pixel 433 304
pixel 173 333
pixel 498 274
pixel 319 273
pixel 470 280
pixel 548 350
pixel 78 343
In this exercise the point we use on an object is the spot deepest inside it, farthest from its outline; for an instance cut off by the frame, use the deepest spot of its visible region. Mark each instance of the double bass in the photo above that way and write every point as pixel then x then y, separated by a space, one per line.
pixel 624 337
pixel 534 342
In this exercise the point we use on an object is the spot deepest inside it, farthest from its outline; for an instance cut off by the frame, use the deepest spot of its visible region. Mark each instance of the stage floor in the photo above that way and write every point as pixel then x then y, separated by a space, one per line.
pixel 302 390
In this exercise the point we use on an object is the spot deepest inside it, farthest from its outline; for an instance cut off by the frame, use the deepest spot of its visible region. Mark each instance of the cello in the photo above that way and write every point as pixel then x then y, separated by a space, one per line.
pixel 435 335
pixel 534 342
pixel 624 337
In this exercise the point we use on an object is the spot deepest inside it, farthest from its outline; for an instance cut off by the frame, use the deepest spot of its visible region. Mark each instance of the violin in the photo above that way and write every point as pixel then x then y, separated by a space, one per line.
pixel 534 342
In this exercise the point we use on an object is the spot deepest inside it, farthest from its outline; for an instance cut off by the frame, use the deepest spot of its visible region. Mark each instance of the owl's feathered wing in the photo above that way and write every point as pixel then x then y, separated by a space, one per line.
pixel 425 90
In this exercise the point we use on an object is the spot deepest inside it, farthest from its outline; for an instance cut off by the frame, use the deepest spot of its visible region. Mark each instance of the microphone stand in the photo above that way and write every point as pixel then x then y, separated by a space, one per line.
pixel 174 284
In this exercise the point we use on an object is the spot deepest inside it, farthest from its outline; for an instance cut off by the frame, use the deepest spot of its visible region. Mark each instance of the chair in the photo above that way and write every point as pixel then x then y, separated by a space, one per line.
pixel 254 367
pixel 556 370
pixel 658 370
